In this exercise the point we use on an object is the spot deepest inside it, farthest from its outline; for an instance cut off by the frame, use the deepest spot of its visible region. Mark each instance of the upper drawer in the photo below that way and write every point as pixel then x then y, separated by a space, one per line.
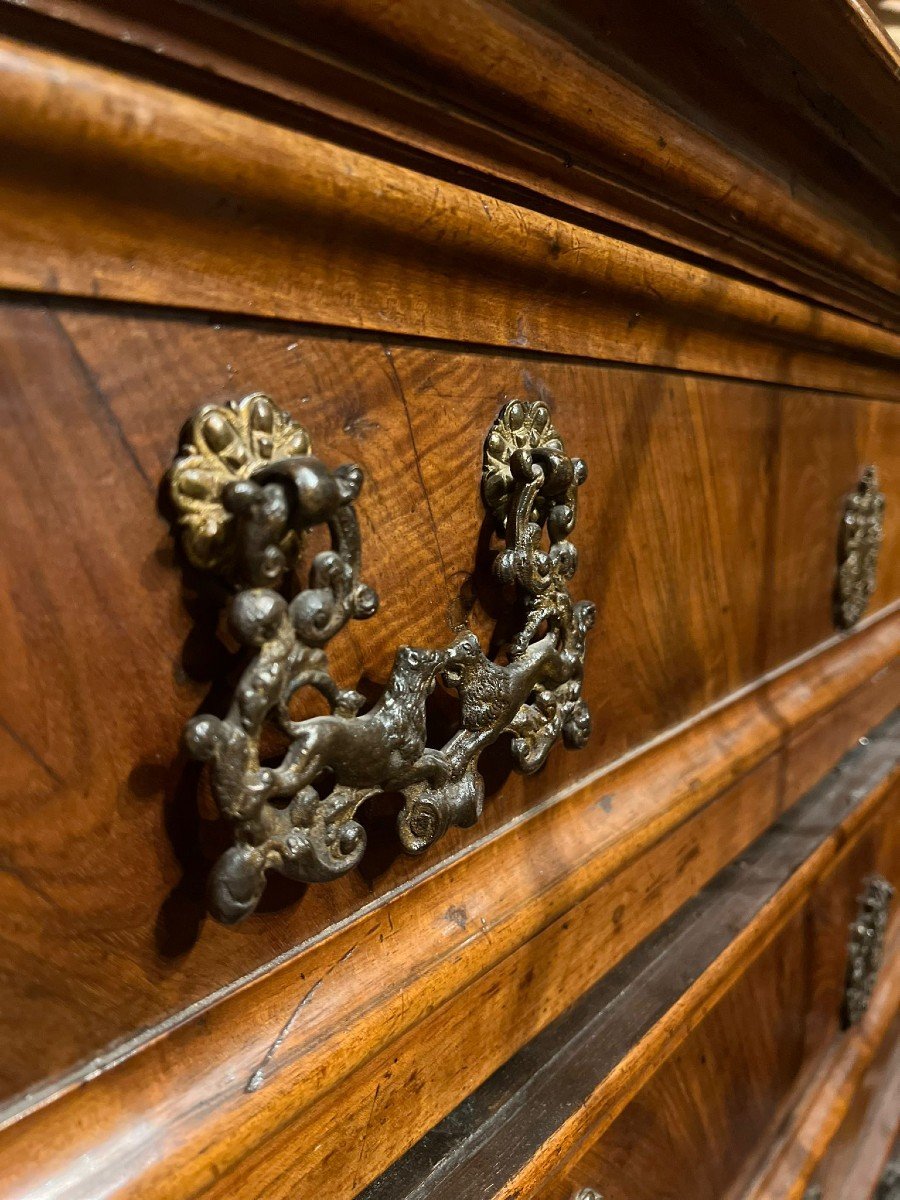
pixel 712 334
pixel 707 531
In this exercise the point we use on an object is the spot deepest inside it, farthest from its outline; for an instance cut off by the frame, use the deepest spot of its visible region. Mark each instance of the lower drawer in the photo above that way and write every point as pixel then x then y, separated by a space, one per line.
pixel 677 1075
pixel 698 1128
pixel 860 1158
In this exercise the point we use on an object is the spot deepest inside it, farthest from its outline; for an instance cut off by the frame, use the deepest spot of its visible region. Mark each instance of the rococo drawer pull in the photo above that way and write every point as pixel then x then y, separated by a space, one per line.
pixel 246 488
pixel 866 947
pixel 861 535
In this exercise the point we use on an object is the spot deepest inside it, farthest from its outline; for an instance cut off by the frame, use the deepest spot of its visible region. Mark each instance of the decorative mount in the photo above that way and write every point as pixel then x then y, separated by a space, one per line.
pixel 861 535
pixel 889 1183
pixel 246 489
pixel 866 948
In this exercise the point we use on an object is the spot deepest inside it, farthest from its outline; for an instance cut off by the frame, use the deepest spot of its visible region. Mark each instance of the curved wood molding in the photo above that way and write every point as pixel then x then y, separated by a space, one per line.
pixel 124 190
pixel 349 1015
pixel 497 92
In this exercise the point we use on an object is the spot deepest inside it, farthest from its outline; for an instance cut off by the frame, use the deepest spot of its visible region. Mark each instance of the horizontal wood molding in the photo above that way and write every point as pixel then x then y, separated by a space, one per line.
pixel 494 91
pixel 394 218
pixel 573 883
pixel 867 1141
pixel 118 188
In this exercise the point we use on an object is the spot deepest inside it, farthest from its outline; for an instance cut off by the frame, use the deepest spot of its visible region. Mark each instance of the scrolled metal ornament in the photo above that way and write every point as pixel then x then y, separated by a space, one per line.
pixel 889 1183
pixel 246 489
pixel 861 535
pixel 865 949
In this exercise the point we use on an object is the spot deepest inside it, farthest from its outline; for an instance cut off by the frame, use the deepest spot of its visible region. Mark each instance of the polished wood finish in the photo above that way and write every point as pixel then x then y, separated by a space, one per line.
pixel 839 1132
pixel 360 1004
pixel 222 205
pixel 699 1120
pixel 687 1051
pixel 698 590
pixel 394 218
pixel 494 95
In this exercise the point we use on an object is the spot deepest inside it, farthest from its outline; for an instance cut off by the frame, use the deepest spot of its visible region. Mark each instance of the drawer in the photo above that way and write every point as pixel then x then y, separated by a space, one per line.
pixel 691 545
pixel 682 1072
pixel 699 1128
pixel 396 221
pixel 859 1159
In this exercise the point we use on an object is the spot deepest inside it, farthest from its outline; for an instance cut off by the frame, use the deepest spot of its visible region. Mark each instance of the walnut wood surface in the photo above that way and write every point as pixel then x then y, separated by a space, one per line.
pixel 697 135
pixel 106 662
pixel 839 1132
pixel 721 1066
pixel 869 1136
pixel 698 1121
pixel 687 256
pixel 191 1089
pixel 581 1106
pixel 118 188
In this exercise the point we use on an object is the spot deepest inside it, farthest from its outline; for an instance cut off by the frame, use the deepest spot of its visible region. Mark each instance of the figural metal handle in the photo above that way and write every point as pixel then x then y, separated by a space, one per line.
pixel 246 488
pixel 865 950
pixel 859 543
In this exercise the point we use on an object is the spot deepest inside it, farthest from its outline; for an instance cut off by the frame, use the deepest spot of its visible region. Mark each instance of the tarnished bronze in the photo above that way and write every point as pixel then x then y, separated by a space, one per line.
pixel 246 489
pixel 862 531
pixel 889 1183
pixel 866 947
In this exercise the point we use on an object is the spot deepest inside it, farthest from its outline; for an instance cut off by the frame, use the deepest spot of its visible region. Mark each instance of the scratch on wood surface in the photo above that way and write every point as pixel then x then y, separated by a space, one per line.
pixel 258 1078
pixel 401 396
pixel 363 1141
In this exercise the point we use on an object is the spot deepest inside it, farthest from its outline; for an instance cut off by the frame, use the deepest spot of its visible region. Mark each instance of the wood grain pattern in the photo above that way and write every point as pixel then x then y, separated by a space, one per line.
pixel 694 1124
pixel 108 662
pixel 497 93
pixel 583 1106
pixel 701 1118
pixel 93 402
pixel 156 1108
pixel 394 218
pixel 841 1129
pixel 223 200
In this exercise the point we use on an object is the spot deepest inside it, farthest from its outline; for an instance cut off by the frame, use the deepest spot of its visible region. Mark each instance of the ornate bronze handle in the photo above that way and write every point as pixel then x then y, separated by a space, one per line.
pixel 859 541
pixel 246 489
pixel 889 1183
pixel 865 949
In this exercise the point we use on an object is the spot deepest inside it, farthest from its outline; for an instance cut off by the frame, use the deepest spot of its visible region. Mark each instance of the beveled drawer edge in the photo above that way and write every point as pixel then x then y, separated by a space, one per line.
pixel 190 1065
pixel 372 245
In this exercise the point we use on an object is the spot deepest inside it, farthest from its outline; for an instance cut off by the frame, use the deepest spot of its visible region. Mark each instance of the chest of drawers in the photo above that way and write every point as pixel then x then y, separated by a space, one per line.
pixel 631 972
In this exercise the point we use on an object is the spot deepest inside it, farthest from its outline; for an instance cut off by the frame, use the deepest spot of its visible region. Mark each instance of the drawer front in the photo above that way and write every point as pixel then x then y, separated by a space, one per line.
pixel 706 535
pixel 703 1124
